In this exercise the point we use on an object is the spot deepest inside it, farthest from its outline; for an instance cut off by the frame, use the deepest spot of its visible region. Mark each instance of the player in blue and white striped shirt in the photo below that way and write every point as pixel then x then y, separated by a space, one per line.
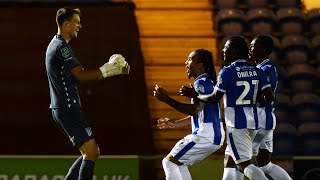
pixel 239 84
pixel 260 49
pixel 207 128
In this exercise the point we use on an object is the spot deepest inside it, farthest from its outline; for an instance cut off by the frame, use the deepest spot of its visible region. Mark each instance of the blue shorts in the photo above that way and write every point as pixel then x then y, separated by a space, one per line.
pixel 73 124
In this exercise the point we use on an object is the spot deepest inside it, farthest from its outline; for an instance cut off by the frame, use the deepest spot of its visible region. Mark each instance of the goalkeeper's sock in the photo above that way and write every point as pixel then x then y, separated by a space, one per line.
pixel 86 170
pixel 73 172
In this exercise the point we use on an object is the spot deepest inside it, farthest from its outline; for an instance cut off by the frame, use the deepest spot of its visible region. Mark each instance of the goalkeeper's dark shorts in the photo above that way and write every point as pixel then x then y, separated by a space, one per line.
pixel 73 124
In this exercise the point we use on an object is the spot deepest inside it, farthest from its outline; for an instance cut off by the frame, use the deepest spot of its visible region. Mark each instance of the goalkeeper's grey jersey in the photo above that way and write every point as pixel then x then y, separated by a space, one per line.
pixel 60 59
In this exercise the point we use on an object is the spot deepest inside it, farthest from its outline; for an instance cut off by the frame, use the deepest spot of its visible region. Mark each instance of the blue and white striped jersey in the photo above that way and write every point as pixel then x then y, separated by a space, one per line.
pixel 266 116
pixel 240 82
pixel 208 122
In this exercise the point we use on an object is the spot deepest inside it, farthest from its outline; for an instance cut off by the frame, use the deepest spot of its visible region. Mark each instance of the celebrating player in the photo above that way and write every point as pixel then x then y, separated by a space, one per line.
pixel 64 71
pixel 239 83
pixel 260 49
pixel 207 129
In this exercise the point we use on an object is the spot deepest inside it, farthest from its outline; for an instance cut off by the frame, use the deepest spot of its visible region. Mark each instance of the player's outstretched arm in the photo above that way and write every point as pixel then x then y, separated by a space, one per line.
pixel 189 109
pixel 167 123
pixel 116 66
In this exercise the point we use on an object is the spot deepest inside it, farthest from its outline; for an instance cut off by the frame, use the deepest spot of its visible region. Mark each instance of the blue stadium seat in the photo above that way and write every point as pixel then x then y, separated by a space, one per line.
pixel 290 20
pixel 296 49
pixel 231 22
pixel 314 21
pixel 309 134
pixel 306 108
pixel 261 21
pixel 284 138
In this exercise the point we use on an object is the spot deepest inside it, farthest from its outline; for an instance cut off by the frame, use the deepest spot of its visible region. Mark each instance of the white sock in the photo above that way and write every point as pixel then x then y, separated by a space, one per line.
pixel 185 173
pixel 229 173
pixel 275 171
pixel 254 173
pixel 171 170
pixel 239 175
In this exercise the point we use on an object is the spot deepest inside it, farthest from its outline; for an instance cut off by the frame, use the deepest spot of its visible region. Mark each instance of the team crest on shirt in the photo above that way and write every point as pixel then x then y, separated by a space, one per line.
pixel 65 52
pixel 88 130
pixel 200 88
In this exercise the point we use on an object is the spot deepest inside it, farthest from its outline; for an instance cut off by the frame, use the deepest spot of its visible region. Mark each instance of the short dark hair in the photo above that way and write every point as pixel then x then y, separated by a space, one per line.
pixel 266 42
pixel 206 58
pixel 64 14
pixel 239 45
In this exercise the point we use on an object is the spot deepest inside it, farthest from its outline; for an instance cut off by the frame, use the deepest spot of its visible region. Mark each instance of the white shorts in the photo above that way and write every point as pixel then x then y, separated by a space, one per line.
pixel 262 140
pixel 239 144
pixel 192 149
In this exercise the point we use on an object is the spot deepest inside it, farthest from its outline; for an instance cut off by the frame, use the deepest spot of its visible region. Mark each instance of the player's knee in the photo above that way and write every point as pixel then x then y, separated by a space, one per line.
pixel 228 162
pixel 92 154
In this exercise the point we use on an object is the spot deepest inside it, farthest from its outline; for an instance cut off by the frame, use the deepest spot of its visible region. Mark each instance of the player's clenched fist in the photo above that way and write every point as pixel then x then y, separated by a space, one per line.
pixel 160 93
pixel 116 65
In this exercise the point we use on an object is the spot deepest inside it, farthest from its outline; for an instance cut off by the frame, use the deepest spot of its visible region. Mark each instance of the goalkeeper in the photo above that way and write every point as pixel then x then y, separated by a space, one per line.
pixel 64 71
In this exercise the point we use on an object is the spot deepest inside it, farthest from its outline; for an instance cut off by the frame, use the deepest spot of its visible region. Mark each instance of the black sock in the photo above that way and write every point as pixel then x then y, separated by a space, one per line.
pixel 86 170
pixel 73 172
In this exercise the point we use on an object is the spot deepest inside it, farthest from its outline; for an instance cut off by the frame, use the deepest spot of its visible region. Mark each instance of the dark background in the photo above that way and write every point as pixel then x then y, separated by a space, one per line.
pixel 116 108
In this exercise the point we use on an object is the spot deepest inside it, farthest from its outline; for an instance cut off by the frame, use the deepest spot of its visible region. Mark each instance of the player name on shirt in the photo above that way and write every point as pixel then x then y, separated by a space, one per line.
pixel 245 74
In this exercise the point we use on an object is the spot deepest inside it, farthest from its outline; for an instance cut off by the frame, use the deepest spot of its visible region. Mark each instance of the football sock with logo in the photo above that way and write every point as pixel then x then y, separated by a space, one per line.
pixel 73 172
pixel 254 173
pixel 171 170
pixel 86 170
pixel 185 173
pixel 275 171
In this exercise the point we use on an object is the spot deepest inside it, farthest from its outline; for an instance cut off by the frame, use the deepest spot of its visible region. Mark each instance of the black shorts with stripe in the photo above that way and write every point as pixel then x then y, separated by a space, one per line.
pixel 73 124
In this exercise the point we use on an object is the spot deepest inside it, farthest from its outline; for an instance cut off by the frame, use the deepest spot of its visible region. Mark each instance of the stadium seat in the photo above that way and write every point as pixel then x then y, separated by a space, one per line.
pixel 284 139
pixel 287 3
pixel 282 115
pixel 258 3
pixel 314 21
pixel 282 79
pixel 261 21
pixel 231 21
pixel 315 44
pixel 302 78
pixel 275 55
pixel 282 101
pixel 290 20
pixel 296 49
pixel 309 134
pixel 226 4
